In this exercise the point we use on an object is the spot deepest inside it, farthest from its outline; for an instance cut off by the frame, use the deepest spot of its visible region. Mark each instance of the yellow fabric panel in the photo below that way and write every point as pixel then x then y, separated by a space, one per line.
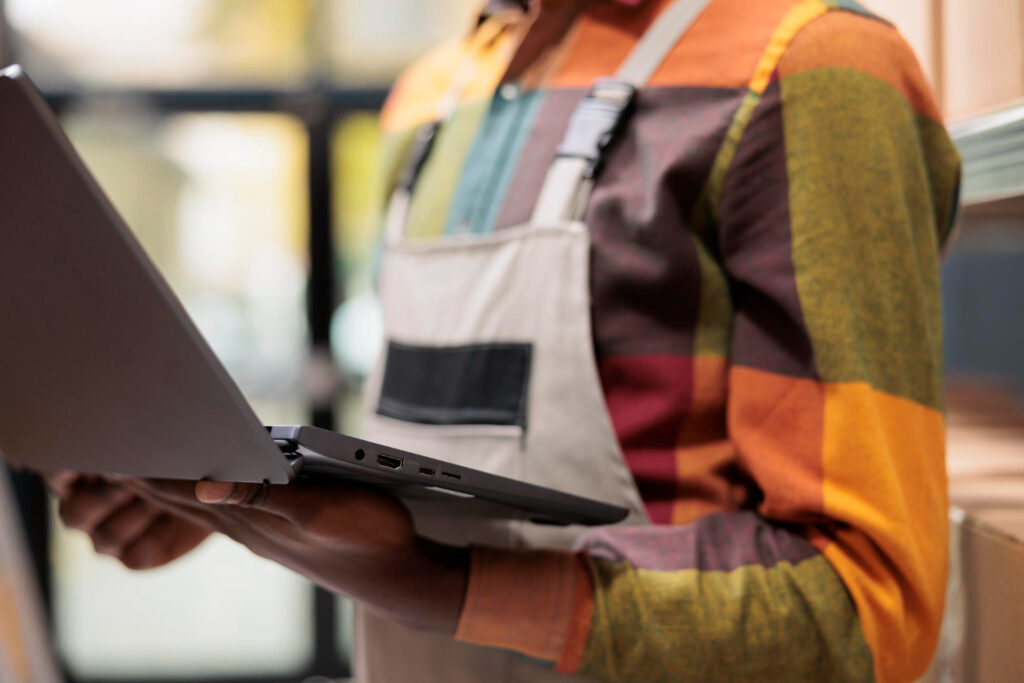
pixel 430 204
pixel 481 57
pixel 797 18
pixel 884 465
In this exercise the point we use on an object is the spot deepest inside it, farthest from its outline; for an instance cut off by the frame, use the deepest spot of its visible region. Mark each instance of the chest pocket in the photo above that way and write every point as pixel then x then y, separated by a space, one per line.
pixel 474 384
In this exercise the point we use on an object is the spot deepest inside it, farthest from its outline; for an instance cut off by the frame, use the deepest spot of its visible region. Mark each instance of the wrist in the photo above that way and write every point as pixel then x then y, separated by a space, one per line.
pixel 425 589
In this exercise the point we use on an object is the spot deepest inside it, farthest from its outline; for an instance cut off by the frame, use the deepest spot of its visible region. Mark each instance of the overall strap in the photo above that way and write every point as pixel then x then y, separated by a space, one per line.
pixel 419 150
pixel 600 115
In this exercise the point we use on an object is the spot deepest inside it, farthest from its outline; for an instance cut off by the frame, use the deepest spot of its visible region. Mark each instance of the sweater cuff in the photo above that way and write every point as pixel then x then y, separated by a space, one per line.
pixel 533 602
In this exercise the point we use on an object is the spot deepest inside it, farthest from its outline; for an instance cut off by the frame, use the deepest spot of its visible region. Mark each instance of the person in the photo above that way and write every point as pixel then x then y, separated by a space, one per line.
pixel 706 290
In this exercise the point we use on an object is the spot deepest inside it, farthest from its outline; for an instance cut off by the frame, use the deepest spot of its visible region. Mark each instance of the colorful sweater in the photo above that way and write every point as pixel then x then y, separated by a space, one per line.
pixel 766 236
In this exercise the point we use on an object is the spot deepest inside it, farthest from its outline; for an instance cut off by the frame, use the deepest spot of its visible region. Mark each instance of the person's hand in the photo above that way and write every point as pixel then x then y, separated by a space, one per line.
pixel 121 523
pixel 349 539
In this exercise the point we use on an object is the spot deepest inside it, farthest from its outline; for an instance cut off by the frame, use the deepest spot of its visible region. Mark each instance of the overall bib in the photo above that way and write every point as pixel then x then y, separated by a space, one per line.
pixel 522 293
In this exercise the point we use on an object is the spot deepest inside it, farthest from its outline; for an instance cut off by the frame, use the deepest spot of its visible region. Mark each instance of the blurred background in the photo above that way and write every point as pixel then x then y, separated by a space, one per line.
pixel 238 139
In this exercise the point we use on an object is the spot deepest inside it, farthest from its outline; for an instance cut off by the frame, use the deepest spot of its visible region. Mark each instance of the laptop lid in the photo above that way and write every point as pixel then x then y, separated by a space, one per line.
pixel 101 369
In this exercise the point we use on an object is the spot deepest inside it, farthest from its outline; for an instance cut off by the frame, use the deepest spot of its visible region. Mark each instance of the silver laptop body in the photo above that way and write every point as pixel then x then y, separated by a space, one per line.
pixel 102 371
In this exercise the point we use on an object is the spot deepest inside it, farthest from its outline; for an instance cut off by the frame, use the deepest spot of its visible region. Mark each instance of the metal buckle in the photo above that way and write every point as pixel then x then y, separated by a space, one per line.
pixel 595 122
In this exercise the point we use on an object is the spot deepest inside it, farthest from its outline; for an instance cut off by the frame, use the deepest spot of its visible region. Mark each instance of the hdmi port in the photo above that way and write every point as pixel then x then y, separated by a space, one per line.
pixel 390 462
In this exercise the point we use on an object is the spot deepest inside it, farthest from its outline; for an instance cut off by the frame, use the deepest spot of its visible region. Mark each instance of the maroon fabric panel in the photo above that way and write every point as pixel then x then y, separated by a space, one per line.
pixel 720 542
pixel 754 233
pixel 647 397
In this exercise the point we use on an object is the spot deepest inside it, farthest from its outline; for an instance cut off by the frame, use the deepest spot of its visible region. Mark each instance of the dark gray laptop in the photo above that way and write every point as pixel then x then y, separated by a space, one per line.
pixel 102 371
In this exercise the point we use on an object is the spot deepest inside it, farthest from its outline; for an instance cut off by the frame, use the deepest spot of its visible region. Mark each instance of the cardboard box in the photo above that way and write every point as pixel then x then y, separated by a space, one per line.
pixel 982 637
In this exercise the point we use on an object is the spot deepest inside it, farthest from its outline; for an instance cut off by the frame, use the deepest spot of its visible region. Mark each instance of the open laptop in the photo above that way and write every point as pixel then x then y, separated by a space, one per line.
pixel 102 371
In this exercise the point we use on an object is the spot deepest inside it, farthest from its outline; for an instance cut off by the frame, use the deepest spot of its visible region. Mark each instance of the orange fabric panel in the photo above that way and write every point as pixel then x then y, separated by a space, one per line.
pixel 853 41
pixel 607 33
pixel 705 450
pixel 777 424
pixel 520 600
pixel 12 640
pixel 884 461
pixel 579 629
pixel 416 95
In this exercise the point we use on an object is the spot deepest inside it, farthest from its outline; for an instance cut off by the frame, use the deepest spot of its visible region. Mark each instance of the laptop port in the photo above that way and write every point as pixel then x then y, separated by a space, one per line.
pixel 450 474
pixel 426 472
pixel 391 462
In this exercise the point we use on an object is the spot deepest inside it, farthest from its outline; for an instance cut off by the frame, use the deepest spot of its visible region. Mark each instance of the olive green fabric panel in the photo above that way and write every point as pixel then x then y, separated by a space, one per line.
pixel 944 170
pixel 864 233
pixel 713 333
pixel 394 147
pixel 785 623
pixel 428 210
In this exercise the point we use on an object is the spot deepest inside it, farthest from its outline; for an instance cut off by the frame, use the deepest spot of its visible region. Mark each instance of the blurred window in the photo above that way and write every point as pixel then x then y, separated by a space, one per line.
pixel 219 203
pixel 372 41
pixel 210 43
pixel 162 43
pixel 359 194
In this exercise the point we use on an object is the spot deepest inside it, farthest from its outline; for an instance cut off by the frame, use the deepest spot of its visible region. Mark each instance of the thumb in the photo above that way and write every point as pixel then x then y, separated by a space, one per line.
pixel 283 501
pixel 221 492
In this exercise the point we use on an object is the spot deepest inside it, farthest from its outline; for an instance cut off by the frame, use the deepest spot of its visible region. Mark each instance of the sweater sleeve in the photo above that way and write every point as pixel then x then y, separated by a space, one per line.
pixel 838 194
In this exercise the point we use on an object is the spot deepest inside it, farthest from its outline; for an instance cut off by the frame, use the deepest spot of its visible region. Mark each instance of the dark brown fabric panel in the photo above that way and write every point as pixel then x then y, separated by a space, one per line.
pixel 769 331
pixel 646 276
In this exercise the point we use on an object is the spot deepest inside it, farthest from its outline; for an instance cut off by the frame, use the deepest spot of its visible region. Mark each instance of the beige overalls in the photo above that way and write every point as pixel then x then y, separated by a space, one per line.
pixel 521 292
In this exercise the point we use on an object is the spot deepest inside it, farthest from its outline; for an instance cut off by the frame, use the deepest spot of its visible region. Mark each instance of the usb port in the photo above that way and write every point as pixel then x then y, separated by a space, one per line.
pixel 426 472
pixel 391 462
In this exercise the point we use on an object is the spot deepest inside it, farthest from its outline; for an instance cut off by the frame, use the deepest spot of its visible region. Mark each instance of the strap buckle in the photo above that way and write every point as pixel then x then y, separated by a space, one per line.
pixel 596 121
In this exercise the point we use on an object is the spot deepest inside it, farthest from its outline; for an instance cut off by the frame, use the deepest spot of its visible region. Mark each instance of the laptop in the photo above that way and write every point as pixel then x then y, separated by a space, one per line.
pixel 103 372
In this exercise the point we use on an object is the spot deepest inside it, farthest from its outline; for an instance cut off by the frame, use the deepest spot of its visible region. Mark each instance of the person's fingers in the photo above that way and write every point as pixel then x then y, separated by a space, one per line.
pixel 239 523
pixel 279 508
pixel 124 526
pixel 174 491
pixel 330 510
pixel 293 502
pixel 60 482
pixel 164 540
pixel 174 505
pixel 174 496
pixel 229 493
pixel 90 502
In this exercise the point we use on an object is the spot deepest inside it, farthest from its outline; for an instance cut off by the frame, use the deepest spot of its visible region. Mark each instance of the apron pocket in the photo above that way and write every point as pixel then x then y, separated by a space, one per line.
pixel 476 384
